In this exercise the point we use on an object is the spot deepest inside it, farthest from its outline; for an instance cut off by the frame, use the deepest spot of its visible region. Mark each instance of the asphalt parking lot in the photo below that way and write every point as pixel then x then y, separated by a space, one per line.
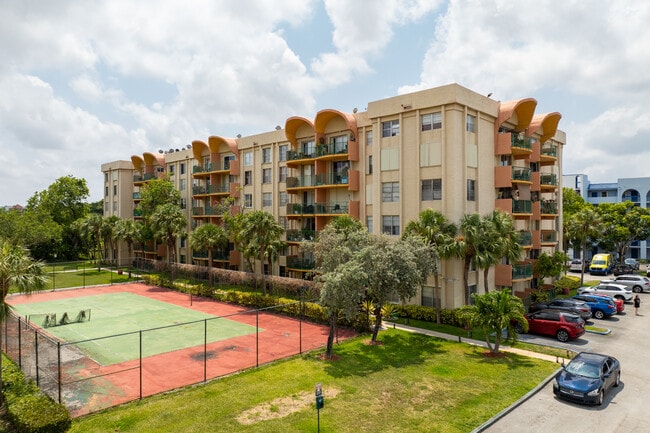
pixel 625 408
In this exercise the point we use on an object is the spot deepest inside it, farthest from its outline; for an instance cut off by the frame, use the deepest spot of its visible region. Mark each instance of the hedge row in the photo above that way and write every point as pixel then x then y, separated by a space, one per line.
pixel 30 410
pixel 428 314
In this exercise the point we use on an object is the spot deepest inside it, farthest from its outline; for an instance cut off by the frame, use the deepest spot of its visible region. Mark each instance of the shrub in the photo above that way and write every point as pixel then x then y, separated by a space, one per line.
pixel 568 281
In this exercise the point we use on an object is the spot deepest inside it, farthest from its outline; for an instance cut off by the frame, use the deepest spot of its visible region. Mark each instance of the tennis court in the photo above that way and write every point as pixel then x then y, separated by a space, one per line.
pixel 137 340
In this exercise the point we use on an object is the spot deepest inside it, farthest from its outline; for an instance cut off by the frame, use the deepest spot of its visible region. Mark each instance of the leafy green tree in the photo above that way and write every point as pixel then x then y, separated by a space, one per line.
pixel 500 240
pixel 155 193
pixel 259 230
pixel 34 230
pixel 550 265
pixel 622 224
pixel 394 268
pixel 439 233
pixel 493 312
pixel 20 272
pixel 337 243
pixel 90 230
pixel 584 226
pixel 572 203
pixel 208 237
pixel 168 223
pixel 108 236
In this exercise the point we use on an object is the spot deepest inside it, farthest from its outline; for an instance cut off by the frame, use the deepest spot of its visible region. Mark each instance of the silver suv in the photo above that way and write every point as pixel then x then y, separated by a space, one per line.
pixel 636 283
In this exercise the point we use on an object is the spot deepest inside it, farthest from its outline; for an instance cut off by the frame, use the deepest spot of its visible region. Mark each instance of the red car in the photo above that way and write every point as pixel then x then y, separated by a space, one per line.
pixel 620 304
pixel 559 324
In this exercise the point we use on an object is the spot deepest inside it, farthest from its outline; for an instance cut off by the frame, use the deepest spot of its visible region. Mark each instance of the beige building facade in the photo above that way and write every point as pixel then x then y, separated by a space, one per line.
pixel 447 148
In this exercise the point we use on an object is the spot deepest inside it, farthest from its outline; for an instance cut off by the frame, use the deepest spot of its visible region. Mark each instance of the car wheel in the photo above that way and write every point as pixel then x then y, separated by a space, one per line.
pixel 617 381
pixel 519 329
pixel 562 336
pixel 601 397
pixel 636 289
pixel 599 314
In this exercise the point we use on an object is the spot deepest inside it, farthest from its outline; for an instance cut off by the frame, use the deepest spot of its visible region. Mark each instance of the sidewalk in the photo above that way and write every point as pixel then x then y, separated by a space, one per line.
pixel 466 340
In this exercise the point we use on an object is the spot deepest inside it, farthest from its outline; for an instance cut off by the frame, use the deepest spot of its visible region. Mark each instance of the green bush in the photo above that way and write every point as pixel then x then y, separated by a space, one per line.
pixel 428 314
pixel 29 410
pixel 567 281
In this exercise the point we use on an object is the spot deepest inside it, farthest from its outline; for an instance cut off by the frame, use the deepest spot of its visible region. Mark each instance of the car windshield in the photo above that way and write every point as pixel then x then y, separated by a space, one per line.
pixel 598 262
pixel 584 369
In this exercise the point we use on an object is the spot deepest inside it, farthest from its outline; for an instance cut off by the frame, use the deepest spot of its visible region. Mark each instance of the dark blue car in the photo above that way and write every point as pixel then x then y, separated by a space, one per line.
pixel 587 378
pixel 601 307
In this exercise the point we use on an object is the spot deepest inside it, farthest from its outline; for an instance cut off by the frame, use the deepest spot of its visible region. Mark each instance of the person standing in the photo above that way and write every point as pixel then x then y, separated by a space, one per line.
pixel 637 304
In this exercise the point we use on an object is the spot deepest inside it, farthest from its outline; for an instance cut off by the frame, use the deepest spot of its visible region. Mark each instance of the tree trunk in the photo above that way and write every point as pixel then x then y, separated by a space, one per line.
pixel 377 323
pixel 486 271
pixel 466 280
pixel 436 281
pixel 330 337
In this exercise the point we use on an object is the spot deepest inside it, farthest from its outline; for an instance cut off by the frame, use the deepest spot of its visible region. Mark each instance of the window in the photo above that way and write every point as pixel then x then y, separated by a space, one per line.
pixel 106 191
pixel 114 189
pixel 471 123
pixel 369 164
pixel 266 155
pixel 471 190
pixel 283 152
pixel 390 224
pixel 106 177
pixel 267 199
pixel 183 203
pixel 248 177
pixel 369 223
pixel 283 174
pixel 431 189
pixel 389 159
pixel 431 121
pixel 428 298
pixel 390 191
pixel 308 148
pixel 248 200
pixel 183 185
pixel 368 138
pixel 266 175
pixel 248 158
pixel 171 169
pixel 390 128
pixel 284 198
pixel 115 206
pixel 182 165
pixel 283 222
pixel 340 144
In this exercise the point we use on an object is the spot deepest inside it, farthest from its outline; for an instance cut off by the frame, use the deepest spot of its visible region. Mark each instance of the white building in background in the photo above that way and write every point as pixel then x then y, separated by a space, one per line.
pixel 634 189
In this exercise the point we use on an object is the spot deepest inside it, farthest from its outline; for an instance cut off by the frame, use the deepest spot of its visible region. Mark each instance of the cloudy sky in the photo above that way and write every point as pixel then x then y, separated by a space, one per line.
pixel 86 82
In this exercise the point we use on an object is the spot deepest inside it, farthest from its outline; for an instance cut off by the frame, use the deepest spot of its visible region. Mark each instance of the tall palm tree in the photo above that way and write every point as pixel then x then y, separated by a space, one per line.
pixel 584 225
pixel 438 232
pixel 17 271
pixel 168 224
pixel 126 230
pixel 207 237
pixel 259 229
pixel 107 233
pixel 466 245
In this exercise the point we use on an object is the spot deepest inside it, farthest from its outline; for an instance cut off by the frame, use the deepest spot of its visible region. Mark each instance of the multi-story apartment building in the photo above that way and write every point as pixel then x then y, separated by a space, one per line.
pixel 635 189
pixel 447 148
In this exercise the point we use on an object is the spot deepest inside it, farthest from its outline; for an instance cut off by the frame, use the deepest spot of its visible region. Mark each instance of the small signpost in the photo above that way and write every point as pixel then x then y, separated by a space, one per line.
pixel 320 401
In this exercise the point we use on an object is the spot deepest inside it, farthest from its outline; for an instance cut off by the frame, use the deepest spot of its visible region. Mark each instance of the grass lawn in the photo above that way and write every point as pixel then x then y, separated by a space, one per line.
pixel 86 277
pixel 409 383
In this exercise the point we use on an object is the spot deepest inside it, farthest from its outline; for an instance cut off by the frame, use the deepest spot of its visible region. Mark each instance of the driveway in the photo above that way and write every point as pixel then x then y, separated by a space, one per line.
pixel 625 408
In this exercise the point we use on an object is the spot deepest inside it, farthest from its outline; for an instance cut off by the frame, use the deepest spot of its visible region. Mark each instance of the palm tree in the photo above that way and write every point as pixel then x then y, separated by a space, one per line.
pixel 259 230
pixel 17 271
pixel 494 312
pixel 90 228
pixel 168 224
pixel 584 225
pixel 107 233
pixel 438 232
pixel 207 237
pixel 127 231
pixel 466 245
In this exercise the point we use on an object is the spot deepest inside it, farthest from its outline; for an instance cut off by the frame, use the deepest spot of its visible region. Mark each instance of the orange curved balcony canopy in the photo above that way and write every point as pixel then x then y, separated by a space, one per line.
pixel 138 162
pixel 198 148
pixel 215 142
pixel 324 116
pixel 523 108
pixel 153 159
pixel 292 125
pixel 548 124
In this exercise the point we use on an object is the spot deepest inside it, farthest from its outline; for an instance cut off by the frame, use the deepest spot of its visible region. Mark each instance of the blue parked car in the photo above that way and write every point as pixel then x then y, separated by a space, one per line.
pixel 601 307
pixel 587 377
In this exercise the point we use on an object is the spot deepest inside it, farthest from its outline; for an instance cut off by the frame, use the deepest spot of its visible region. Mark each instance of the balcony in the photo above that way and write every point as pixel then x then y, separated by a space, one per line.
pixel 300 235
pixel 219 255
pixel 326 179
pixel 300 263
pixel 137 212
pixel 548 181
pixel 549 237
pixel 521 174
pixel 306 181
pixel 223 188
pixel 294 155
pixel 317 209
pixel 522 271
pixel 525 239
pixel 505 275
pixel 136 195
pixel 522 207
pixel 548 207
pixel 207 211
pixel 326 150
pixel 548 154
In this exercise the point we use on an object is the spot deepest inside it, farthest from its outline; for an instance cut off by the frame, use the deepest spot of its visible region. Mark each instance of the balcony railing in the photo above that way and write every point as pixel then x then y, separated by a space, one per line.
pixel 331 149
pixel 136 195
pixel 203 168
pixel 521 174
pixel 549 149
pixel 205 211
pixel 525 238
pixel 216 255
pixel 339 178
pixel 301 181
pixel 149 176
pixel 298 262
pixel 293 155
pixel 521 142
pixel 299 235
pixel 137 212
pixel 548 179
pixel 522 271
pixel 522 206
pixel 549 237
pixel 317 208
pixel 549 207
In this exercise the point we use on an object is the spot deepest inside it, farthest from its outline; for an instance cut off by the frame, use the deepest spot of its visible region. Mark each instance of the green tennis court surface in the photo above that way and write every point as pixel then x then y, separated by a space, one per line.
pixel 119 313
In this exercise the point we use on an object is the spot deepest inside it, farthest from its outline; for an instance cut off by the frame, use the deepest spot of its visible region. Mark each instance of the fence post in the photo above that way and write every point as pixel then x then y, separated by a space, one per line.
pixel 58 361
pixel 36 357
pixel 205 350
pixel 257 337
pixel 140 364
